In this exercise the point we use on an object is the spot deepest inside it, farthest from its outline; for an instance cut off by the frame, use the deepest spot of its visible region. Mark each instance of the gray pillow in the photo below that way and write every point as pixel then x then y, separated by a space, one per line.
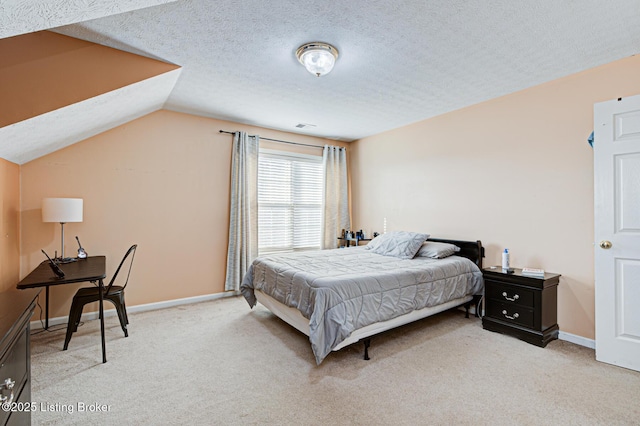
pixel 437 250
pixel 401 244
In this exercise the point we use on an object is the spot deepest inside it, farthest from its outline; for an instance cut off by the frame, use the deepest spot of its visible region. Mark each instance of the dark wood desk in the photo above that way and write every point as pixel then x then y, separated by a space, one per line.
pixel 93 268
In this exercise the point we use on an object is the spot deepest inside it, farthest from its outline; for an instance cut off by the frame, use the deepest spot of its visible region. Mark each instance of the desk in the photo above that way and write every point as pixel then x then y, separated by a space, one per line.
pixel 90 269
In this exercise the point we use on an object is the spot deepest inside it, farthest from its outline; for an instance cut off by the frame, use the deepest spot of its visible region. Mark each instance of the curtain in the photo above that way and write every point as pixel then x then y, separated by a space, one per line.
pixel 243 223
pixel 335 195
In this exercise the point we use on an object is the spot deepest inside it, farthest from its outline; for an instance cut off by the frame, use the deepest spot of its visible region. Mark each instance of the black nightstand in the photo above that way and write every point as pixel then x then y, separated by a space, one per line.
pixel 521 306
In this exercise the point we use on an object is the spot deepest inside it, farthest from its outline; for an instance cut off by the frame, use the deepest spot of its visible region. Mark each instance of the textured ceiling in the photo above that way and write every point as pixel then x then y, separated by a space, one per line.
pixel 20 17
pixel 400 62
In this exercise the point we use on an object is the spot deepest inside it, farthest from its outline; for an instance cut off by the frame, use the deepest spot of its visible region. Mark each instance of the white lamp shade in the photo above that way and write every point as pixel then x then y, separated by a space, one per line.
pixel 62 210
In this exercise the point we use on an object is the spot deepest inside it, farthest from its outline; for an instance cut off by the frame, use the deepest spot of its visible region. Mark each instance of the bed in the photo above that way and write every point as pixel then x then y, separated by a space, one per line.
pixel 341 296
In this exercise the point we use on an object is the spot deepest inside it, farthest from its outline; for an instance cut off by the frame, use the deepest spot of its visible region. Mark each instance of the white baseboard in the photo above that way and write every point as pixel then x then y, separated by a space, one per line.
pixel 562 335
pixel 39 324
pixel 578 340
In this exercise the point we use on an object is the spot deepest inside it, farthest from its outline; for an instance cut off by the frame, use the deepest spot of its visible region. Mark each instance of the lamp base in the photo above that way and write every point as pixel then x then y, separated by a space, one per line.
pixel 65 259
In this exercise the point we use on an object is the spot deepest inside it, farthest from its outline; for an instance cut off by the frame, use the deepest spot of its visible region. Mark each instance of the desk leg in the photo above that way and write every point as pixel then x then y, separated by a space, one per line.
pixel 46 310
pixel 104 351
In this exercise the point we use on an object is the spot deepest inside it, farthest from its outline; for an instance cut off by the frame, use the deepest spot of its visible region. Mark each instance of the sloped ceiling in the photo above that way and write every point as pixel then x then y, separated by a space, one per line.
pixel 29 139
pixel 21 17
pixel 400 62
pixel 63 90
pixel 57 91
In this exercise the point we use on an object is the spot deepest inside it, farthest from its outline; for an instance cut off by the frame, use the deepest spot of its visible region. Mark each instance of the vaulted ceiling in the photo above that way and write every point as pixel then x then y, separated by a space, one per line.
pixel 400 62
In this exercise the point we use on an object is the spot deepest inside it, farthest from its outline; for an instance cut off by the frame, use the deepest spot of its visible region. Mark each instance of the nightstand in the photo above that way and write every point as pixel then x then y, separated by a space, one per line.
pixel 521 306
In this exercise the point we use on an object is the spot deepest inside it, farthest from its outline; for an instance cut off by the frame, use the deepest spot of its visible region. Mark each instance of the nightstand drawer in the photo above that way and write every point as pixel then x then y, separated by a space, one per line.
pixel 509 293
pixel 510 313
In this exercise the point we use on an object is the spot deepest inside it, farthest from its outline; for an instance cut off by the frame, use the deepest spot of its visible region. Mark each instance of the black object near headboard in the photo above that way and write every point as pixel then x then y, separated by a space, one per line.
pixel 472 250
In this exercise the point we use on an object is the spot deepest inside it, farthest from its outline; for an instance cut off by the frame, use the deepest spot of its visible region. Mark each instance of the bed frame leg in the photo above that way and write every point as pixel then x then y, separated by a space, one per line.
pixel 476 301
pixel 367 343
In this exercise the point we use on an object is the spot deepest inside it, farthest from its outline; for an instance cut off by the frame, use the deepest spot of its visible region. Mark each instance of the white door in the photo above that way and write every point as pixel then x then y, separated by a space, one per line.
pixel 617 231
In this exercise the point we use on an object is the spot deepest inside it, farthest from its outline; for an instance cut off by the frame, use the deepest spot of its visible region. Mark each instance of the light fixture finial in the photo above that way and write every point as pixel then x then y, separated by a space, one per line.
pixel 317 57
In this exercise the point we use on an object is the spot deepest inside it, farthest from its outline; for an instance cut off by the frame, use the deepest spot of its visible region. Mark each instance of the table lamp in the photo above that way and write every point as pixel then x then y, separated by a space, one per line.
pixel 62 210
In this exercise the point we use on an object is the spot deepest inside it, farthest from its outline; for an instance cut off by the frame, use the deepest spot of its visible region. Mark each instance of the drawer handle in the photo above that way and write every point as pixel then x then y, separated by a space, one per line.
pixel 515 297
pixel 8 384
pixel 516 315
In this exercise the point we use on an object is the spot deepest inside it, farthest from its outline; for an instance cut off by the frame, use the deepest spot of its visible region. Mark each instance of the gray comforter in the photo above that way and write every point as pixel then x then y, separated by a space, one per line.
pixel 342 290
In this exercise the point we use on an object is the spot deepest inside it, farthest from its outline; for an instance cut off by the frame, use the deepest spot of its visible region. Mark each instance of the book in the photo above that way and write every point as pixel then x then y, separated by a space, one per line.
pixel 532 272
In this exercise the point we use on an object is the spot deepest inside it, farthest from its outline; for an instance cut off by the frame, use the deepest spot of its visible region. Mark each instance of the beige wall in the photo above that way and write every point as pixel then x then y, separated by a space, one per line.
pixel 161 181
pixel 513 172
pixel 10 225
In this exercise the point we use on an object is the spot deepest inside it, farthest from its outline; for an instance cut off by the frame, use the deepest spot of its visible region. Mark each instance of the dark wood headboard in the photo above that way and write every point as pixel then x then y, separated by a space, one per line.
pixel 472 250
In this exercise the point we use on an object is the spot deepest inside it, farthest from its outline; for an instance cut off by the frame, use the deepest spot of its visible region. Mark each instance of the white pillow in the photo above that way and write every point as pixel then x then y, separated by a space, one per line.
pixel 401 244
pixel 437 250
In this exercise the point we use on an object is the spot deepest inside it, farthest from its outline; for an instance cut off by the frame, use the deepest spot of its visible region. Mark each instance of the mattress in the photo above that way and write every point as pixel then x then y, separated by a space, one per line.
pixel 343 290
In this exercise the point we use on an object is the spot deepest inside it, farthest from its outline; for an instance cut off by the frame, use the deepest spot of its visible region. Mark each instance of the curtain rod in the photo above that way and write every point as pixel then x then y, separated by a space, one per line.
pixel 278 140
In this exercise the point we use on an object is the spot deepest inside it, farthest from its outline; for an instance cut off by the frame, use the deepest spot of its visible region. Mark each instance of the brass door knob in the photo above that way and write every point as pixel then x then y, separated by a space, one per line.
pixel 605 244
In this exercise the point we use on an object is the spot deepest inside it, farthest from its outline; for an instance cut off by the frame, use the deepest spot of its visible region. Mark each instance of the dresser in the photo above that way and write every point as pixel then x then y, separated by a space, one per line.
pixel 16 308
pixel 521 306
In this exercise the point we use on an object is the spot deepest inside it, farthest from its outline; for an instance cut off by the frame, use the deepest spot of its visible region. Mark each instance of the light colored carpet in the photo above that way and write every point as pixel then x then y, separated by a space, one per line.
pixel 220 363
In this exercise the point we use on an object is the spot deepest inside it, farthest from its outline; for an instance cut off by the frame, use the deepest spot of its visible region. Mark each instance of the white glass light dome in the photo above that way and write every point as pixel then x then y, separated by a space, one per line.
pixel 317 57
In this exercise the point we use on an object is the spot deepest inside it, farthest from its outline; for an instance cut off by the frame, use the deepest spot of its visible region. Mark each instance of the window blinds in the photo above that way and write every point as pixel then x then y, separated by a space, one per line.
pixel 289 202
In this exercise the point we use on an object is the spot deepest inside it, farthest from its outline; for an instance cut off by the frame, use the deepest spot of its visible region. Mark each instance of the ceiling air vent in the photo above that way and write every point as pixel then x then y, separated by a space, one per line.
pixel 304 125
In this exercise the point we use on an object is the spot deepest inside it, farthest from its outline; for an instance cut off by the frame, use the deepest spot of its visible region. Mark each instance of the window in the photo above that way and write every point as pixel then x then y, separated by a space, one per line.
pixel 289 202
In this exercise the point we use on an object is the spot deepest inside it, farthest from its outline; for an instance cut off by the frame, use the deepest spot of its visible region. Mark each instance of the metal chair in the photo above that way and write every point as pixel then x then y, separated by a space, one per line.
pixel 113 293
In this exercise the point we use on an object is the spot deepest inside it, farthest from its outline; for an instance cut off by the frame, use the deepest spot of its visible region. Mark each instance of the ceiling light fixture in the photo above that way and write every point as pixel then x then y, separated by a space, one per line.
pixel 317 57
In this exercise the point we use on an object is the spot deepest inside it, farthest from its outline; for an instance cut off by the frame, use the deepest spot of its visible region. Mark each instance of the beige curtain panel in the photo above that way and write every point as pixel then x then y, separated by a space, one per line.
pixel 335 195
pixel 243 223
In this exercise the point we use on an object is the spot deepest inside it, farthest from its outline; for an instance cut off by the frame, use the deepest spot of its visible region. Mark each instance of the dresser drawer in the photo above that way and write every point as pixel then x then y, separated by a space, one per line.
pixel 508 312
pixel 510 294
pixel 14 366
